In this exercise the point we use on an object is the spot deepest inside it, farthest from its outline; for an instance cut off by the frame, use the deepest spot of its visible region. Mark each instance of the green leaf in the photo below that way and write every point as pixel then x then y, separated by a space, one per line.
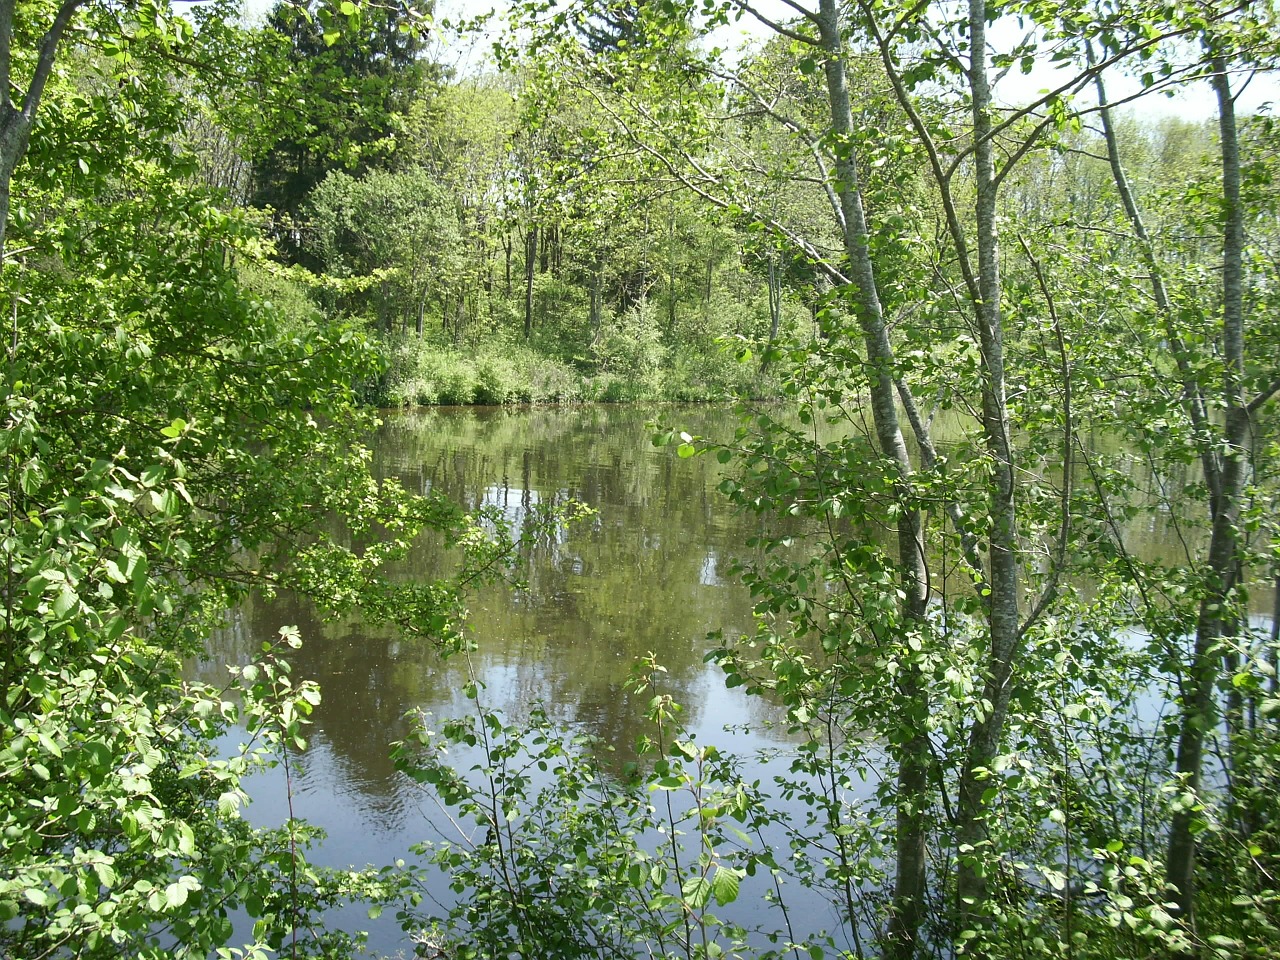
pixel 175 894
pixel 696 891
pixel 724 885
pixel 37 895
pixel 174 429
pixel 65 603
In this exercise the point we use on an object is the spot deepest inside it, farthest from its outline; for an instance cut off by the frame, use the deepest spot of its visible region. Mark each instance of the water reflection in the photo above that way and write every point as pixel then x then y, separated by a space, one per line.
pixel 645 573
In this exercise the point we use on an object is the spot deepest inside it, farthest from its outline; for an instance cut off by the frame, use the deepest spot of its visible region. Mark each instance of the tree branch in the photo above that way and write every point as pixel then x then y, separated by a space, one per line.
pixel 940 173
pixel 810 141
pixel 6 42
pixel 48 53
pixel 777 27
pixel 1260 400
pixel 697 186
pixel 1192 394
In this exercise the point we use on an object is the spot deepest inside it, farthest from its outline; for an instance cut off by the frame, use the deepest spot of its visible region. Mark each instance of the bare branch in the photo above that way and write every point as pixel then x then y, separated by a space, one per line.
pixel 700 186
pixel 1050 592
pixel 809 139
pixel 777 27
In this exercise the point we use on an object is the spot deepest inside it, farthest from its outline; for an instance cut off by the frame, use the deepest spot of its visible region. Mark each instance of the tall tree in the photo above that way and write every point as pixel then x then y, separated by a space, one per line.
pixel 934 282
pixel 1237 385
pixel 351 79
pixel 24 74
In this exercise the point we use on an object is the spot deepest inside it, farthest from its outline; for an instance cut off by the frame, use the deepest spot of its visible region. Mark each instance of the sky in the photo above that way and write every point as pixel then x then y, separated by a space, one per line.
pixel 1193 103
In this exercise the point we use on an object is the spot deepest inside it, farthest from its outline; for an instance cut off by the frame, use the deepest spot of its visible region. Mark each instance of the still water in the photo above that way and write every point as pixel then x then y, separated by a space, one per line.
pixel 647 572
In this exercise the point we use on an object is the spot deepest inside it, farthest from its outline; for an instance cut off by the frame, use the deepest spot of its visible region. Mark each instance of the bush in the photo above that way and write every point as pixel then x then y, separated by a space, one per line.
pixel 631 350
pixel 552 381
pixel 629 363
pixel 496 382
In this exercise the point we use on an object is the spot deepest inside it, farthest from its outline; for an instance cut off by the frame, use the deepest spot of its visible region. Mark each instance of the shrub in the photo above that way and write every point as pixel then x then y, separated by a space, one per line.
pixel 496 381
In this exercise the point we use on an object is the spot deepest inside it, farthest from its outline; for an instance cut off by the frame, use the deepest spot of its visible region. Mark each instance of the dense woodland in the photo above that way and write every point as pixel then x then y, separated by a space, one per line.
pixel 223 241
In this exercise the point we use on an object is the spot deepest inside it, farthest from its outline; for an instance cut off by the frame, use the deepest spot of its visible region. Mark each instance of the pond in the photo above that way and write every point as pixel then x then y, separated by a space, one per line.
pixel 647 572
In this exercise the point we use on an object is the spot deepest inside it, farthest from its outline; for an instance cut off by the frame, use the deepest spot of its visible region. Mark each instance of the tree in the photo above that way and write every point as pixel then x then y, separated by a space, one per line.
pixel 352 79
pixel 16 118
pixel 929 302
pixel 393 233
pixel 162 454
pixel 1236 387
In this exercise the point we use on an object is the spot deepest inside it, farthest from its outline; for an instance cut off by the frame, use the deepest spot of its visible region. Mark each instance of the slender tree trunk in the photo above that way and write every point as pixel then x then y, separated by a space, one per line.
pixel 911 747
pixel 595 311
pixel 530 254
pixel 671 267
pixel 14 134
pixel 1199 704
pixel 1003 568
pixel 775 311
pixel 422 309
pixel 1192 391
pixel 506 250
pixel 16 118
pixel 1273 655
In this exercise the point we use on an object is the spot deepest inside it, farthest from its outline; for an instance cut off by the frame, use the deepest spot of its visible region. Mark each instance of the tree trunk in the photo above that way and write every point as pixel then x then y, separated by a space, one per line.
pixel 595 311
pixel 912 747
pixel 671 267
pixel 775 312
pixel 16 120
pixel 530 254
pixel 1273 656
pixel 422 309
pixel 14 134
pixel 1199 713
pixel 506 250
pixel 1003 568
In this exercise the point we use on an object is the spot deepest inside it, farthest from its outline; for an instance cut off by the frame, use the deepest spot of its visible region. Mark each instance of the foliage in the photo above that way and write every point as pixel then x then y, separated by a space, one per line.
pixel 395 234
pixel 170 441
pixel 353 82
pixel 953 594
pixel 557 855
pixel 966 597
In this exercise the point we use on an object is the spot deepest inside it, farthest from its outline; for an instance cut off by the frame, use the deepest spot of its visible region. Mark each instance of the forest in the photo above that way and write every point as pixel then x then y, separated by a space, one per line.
pixel 978 343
